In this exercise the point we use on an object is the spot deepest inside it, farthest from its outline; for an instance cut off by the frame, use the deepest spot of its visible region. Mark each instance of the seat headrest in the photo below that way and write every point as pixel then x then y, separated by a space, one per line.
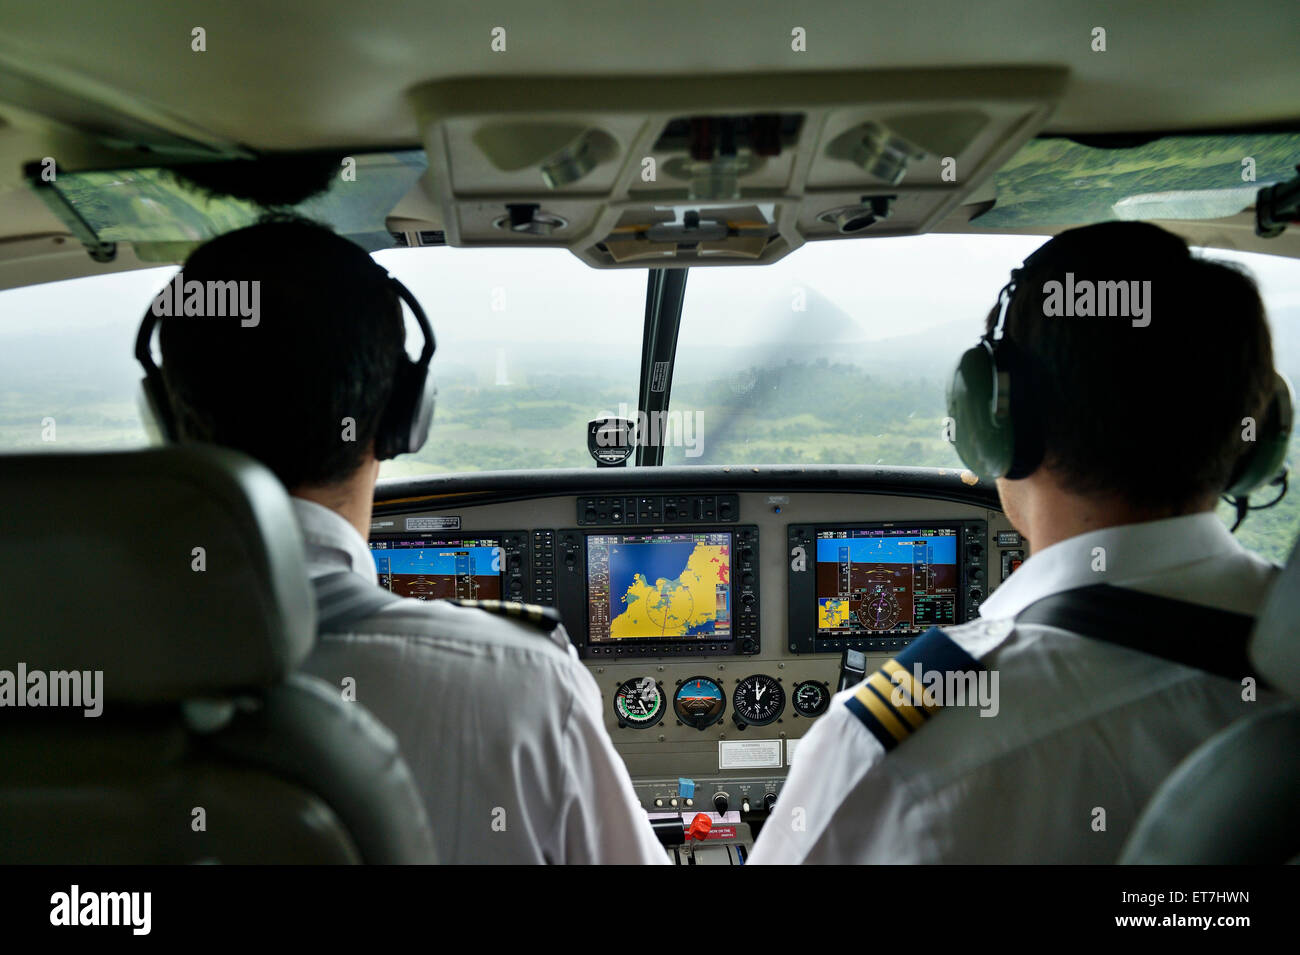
pixel 178 572
pixel 1275 643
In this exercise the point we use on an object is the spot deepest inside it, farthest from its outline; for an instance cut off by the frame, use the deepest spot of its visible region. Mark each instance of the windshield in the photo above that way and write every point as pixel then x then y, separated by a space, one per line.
pixel 532 344
pixel 841 353
pixel 838 354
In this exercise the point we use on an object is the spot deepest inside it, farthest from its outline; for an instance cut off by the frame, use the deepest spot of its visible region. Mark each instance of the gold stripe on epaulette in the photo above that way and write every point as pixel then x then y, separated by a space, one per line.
pixel 882 712
pixel 886 691
pixel 908 682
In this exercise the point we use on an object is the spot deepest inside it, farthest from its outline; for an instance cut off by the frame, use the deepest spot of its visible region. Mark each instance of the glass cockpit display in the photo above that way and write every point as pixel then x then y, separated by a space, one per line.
pixel 873 580
pixel 659 586
pixel 431 569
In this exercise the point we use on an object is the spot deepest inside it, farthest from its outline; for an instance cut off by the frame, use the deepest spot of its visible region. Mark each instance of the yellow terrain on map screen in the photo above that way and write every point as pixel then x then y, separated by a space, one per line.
pixel 659 586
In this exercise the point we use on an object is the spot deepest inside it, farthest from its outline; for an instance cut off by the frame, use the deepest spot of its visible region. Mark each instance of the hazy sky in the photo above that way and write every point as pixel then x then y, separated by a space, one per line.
pixel 891 287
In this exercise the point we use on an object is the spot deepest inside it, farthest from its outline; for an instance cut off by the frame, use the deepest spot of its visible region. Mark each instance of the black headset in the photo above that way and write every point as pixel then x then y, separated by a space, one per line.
pixel 998 430
pixel 996 426
pixel 403 424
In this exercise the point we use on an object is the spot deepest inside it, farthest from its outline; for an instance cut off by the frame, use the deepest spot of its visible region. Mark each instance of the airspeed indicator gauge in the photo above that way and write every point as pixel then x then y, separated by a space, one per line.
pixel 639 703
pixel 758 700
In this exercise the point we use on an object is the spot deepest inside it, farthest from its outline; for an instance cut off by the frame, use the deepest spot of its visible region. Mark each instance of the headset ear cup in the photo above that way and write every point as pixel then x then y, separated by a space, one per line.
pixel 1017 373
pixel 155 413
pixel 1265 459
pixel 394 431
pixel 422 420
pixel 405 424
pixel 984 440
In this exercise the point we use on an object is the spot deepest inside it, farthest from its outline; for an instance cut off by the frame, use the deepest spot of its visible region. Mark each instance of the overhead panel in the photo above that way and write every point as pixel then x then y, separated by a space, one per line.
pixel 718 170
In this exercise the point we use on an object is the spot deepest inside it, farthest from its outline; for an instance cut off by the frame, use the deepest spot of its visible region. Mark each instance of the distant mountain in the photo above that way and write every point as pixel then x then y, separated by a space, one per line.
pixel 820 322
pixel 935 349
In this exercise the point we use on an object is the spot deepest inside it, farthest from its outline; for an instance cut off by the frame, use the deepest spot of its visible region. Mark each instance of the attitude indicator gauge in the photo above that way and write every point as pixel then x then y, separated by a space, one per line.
pixel 758 700
pixel 811 698
pixel 639 703
pixel 699 702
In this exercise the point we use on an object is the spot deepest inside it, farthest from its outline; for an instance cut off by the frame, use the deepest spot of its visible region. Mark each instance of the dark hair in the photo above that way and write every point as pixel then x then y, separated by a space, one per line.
pixel 1152 414
pixel 327 341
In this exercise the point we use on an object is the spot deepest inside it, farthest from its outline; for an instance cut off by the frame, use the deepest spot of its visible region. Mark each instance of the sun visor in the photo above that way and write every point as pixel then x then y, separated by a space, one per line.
pixel 1056 182
pixel 164 213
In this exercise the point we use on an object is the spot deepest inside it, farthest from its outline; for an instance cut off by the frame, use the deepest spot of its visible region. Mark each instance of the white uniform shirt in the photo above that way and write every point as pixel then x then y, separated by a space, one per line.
pixel 501 728
pixel 1081 725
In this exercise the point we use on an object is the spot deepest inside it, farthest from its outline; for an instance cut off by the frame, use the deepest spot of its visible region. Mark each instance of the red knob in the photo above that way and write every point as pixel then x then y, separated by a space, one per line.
pixel 699 827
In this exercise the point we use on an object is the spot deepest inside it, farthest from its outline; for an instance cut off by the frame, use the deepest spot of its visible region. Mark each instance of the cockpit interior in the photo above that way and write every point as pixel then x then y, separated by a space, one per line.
pixel 698 278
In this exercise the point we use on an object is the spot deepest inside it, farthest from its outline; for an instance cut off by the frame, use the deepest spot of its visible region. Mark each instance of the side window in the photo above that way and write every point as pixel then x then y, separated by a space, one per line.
pixel 1272 532
pixel 68 375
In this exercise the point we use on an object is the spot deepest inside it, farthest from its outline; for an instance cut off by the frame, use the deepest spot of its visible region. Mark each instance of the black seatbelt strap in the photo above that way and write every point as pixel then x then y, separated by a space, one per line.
pixel 344 598
pixel 1205 638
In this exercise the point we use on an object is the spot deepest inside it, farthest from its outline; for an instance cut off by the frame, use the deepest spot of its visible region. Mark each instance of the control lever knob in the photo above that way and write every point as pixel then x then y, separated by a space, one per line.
pixel 721 803
pixel 769 801
pixel 699 828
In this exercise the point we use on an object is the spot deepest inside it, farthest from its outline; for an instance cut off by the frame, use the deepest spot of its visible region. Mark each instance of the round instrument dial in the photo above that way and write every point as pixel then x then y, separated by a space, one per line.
pixel 639 703
pixel 699 702
pixel 759 700
pixel 878 607
pixel 811 698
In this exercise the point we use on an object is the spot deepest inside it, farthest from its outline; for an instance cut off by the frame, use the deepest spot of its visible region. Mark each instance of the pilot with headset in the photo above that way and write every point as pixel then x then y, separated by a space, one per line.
pixel 1121 387
pixel 501 725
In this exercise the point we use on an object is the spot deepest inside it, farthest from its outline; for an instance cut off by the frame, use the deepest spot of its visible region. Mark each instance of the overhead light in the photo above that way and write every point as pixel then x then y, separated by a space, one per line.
pixel 570 164
pixel 884 155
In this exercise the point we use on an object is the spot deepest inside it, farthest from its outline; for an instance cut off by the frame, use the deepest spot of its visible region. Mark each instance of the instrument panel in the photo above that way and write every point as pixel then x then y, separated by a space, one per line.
pixel 713 622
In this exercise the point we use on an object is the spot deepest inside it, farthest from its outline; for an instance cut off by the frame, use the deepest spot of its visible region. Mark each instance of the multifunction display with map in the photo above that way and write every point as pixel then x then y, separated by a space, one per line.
pixel 437 569
pixel 895 579
pixel 876 586
pixel 659 591
pixel 669 586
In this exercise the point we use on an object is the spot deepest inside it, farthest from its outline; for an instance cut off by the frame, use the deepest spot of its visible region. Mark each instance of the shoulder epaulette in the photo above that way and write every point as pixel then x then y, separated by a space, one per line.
pixel 543 619
pixel 892 703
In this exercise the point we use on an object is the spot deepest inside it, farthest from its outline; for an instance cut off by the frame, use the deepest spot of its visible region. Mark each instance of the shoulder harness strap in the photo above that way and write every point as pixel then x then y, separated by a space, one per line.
pixel 1193 635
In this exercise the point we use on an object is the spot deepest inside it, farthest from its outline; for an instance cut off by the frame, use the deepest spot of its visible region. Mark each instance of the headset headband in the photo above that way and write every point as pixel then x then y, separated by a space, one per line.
pixel 144 337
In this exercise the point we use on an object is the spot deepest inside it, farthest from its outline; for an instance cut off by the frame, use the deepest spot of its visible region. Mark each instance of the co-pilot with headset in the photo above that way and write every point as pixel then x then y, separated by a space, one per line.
pixel 1118 646
pixel 500 724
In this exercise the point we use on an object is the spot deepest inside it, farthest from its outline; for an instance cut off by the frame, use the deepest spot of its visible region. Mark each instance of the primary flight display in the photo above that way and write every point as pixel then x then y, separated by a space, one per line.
pixel 885 579
pixel 438 570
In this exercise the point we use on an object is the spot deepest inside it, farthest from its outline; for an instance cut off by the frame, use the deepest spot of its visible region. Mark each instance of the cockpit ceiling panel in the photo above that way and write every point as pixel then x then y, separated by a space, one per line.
pixel 570 161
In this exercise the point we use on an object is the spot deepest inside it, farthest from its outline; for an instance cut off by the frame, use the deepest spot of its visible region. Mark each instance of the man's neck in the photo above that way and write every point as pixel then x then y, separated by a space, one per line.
pixel 353 499
pixel 1050 513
